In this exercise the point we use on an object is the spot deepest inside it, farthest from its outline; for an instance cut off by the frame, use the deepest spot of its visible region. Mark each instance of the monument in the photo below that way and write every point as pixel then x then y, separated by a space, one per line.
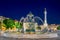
pixel 45 18
pixel 45 24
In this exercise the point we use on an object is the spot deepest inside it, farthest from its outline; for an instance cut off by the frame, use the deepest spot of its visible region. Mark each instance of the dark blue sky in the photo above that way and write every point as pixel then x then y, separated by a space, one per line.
pixel 16 9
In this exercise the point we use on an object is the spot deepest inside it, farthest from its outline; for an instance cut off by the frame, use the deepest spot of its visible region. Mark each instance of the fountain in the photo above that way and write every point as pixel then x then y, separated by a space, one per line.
pixel 30 23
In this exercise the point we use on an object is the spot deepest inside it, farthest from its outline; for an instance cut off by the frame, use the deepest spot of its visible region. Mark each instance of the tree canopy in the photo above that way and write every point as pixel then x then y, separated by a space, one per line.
pixel 9 23
pixel 18 25
pixel 58 27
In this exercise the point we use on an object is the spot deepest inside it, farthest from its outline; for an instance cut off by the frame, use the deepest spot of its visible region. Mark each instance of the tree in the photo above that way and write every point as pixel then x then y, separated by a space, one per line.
pixel 9 23
pixel 58 27
pixel 19 25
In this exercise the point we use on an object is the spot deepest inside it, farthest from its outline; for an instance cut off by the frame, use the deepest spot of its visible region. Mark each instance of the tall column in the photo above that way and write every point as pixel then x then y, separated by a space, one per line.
pixel 45 18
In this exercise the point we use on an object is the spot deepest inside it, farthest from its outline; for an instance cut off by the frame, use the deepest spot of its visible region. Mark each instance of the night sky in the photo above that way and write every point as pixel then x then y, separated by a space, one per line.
pixel 16 9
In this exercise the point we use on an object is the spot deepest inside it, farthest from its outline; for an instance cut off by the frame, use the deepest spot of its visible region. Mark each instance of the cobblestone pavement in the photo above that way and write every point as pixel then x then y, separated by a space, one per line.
pixel 6 38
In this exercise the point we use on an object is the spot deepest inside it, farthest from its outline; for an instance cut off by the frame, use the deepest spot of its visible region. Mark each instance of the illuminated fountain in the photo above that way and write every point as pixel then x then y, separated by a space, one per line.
pixel 30 22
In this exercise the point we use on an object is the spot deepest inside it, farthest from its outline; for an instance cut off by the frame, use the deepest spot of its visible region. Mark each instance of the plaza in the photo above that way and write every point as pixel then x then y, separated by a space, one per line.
pixel 28 27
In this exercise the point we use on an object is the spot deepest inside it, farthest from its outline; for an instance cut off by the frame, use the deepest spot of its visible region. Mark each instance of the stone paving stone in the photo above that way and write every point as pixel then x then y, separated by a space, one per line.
pixel 10 38
pixel 7 38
